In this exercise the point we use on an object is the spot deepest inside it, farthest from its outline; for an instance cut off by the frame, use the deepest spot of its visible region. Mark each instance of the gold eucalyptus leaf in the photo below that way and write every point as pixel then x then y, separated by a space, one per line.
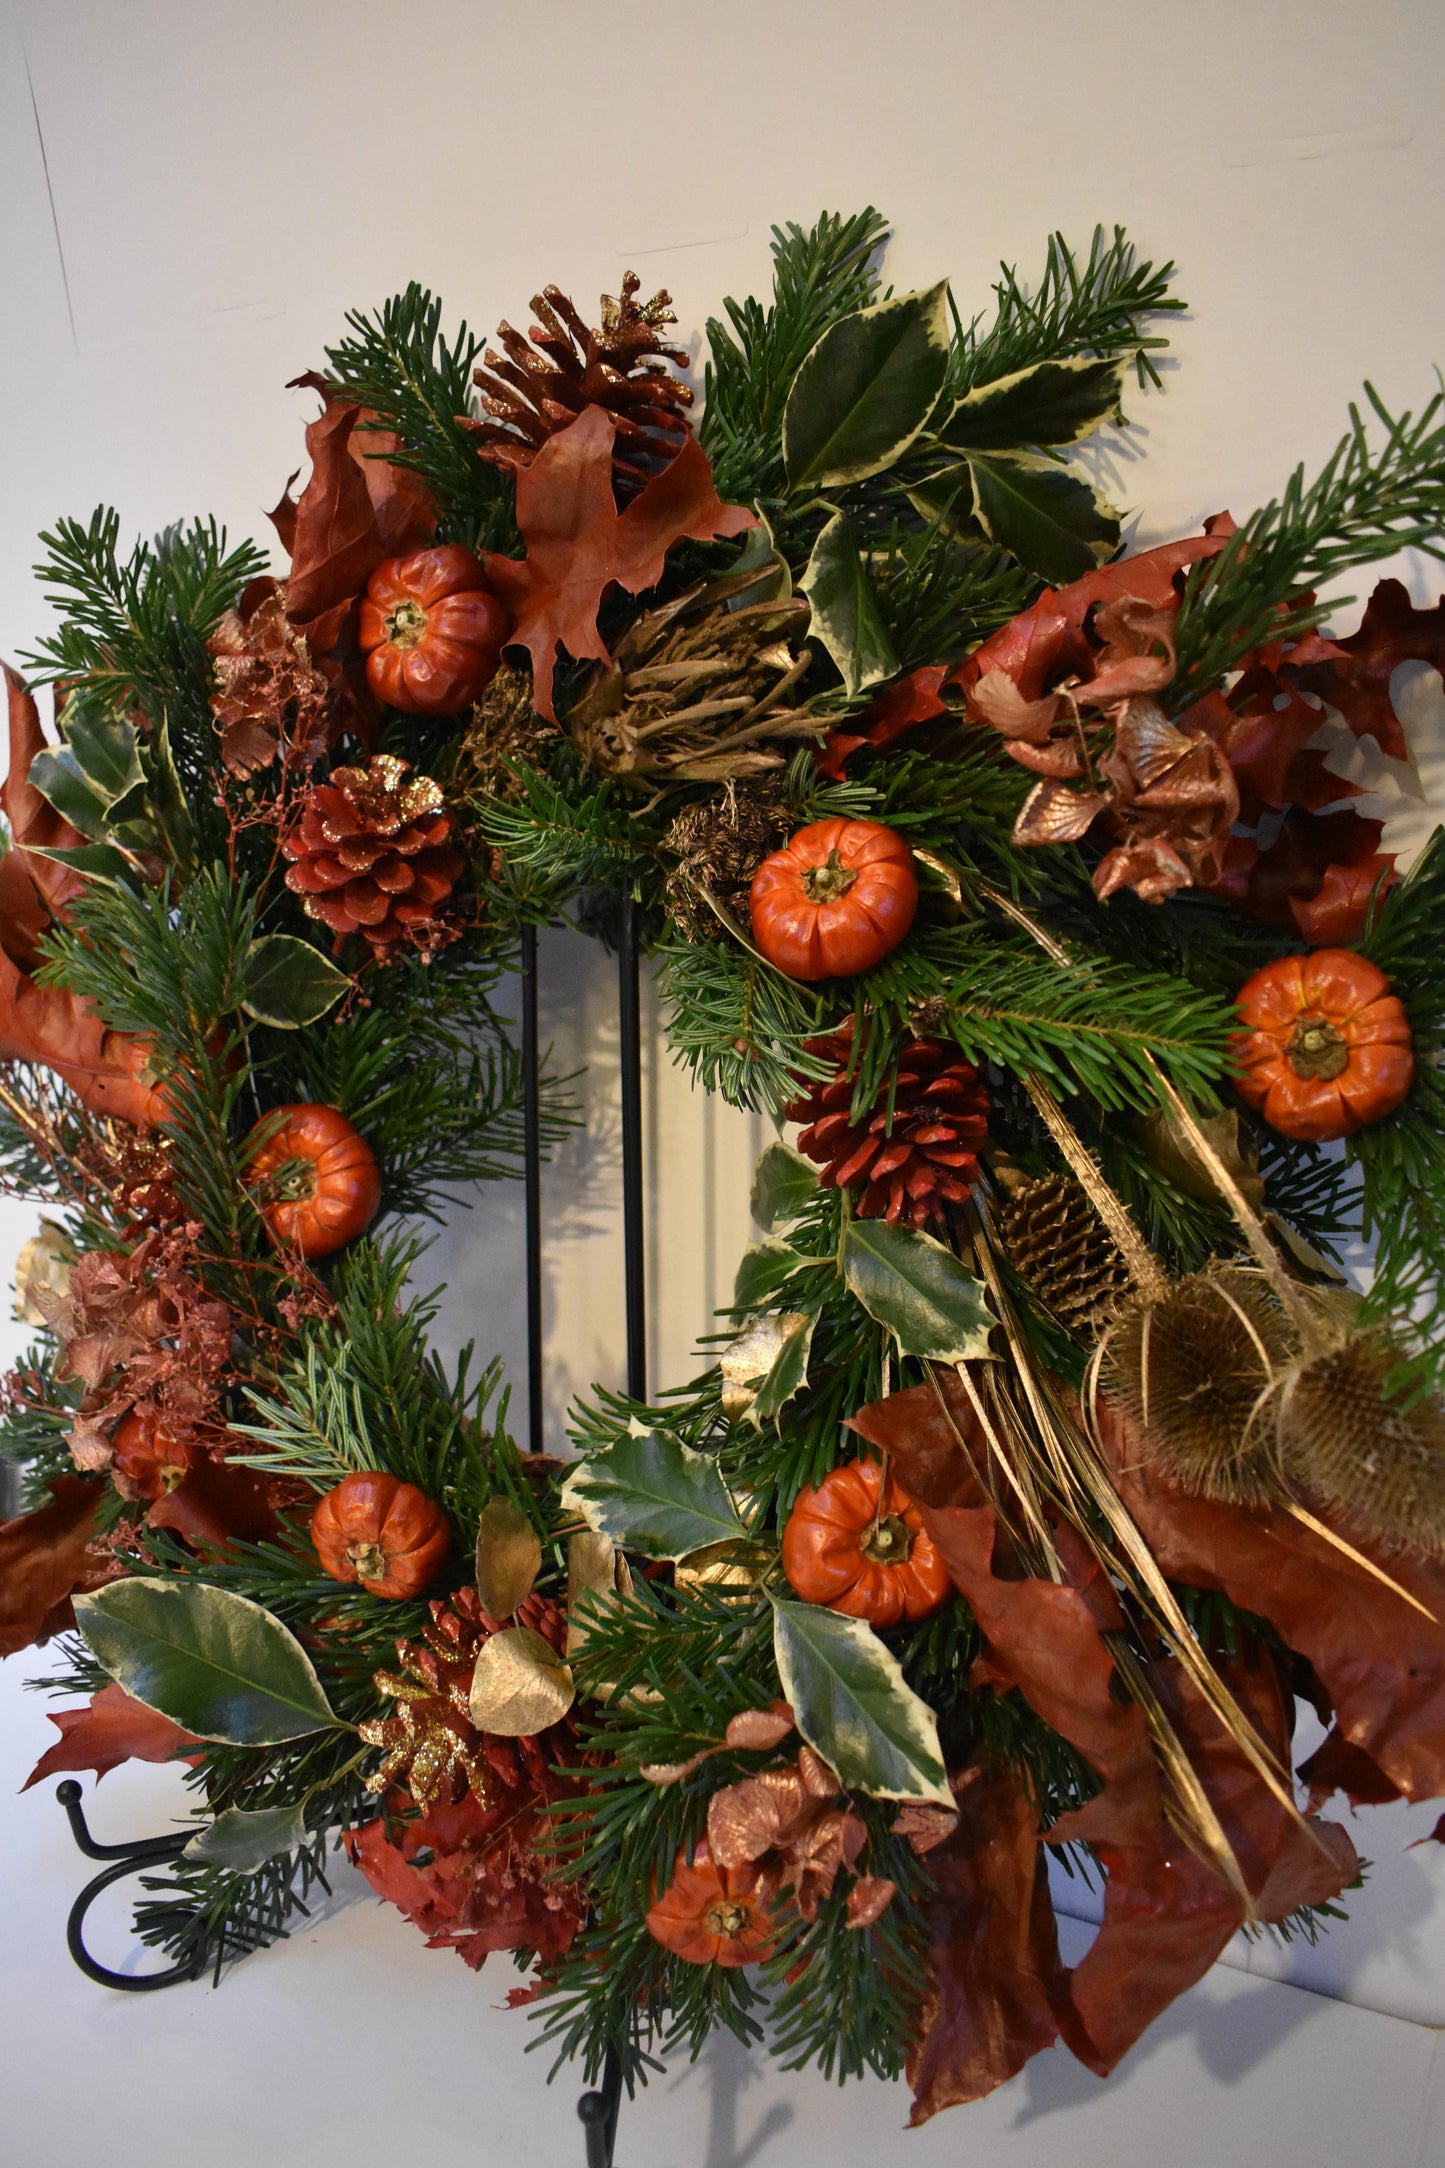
pixel 724 1565
pixel 597 1574
pixel 747 1361
pixel 509 1557
pixel 946 873
pixel 520 1685
pixel 43 1264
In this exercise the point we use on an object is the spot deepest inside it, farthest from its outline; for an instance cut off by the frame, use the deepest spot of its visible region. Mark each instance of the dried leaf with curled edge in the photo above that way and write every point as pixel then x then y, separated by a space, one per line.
pixel 724 1565
pixel 1173 1154
pixel 509 1557
pixel 752 1355
pixel 596 1569
pixel 44 1262
pixel 520 1686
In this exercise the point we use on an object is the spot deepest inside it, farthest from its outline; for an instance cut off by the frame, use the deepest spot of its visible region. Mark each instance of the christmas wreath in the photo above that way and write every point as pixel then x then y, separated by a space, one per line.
pixel 1045 1455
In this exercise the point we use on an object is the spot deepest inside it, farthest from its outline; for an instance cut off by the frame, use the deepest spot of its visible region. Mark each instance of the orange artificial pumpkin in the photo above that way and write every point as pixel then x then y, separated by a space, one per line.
pixel 711 1915
pixel 858 1545
pixel 337 1189
pixel 384 1533
pixel 149 1460
pixel 431 630
pixel 835 900
pixel 1326 1050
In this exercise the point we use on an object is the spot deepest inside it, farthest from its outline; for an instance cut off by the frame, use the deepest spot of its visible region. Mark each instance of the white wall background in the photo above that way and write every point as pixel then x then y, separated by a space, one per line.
pixel 190 198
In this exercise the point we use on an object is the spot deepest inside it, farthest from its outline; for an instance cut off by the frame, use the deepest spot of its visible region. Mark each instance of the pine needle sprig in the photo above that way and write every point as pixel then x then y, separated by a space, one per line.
pixel 399 362
pixel 1098 307
pixel 737 1024
pixel 1364 504
pixel 938 596
pixel 818 276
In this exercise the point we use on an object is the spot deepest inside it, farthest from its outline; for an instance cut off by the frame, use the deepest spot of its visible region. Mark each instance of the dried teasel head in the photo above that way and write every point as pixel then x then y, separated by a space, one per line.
pixel 1196 1371
pixel 1346 1441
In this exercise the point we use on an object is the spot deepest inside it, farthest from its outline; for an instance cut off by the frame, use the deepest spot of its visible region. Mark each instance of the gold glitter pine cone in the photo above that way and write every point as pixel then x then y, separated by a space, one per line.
pixel 1056 1241
pixel 371 855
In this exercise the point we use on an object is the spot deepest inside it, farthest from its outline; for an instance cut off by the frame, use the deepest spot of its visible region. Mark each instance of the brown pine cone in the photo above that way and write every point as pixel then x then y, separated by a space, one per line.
pixel 268 692
pixel 909 1165
pixel 1054 1239
pixel 534 390
pixel 371 855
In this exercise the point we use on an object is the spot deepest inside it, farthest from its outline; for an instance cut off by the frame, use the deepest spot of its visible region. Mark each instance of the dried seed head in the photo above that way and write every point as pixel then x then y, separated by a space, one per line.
pixel 1345 1441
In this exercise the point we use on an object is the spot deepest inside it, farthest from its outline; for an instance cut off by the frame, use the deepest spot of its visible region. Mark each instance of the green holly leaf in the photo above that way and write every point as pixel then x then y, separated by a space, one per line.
pixel 915 1286
pixel 287 982
pixel 1053 402
pixel 784 1185
pixel 1054 523
pixel 764 1268
pixel 865 390
pixel 846 616
pixel 655 1495
pixel 787 1374
pixel 214 1662
pixel 242 1839
pixel 96 861
pixel 853 1705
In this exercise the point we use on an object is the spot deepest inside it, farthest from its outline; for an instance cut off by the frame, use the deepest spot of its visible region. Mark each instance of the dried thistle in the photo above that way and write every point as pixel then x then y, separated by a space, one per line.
pixel 1345 1440
pixel 718 844
pixel 505 727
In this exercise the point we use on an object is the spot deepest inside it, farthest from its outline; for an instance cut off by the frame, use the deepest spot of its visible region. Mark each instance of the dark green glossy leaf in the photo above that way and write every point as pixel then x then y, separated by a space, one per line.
pixel 846 616
pixel 654 1495
pixel 1054 402
pixel 917 1288
pixel 854 1707
pixel 1054 523
pixel 105 751
pixel 57 775
pixel 764 1267
pixel 244 1838
pixel 287 982
pixel 784 1185
pixel 214 1662
pixel 866 390
pixel 97 861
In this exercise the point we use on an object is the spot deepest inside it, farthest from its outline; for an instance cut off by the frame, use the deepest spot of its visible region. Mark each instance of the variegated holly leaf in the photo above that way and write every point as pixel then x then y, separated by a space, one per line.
pixel 846 617
pixel 287 982
pixel 1054 523
pixel 865 391
pixel 784 1185
pixel 853 1705
pixel 242 1839
pixel 1052 402
pixel 910 1282
pixel 767 1364
pixel 764 1268
pixel 655 1495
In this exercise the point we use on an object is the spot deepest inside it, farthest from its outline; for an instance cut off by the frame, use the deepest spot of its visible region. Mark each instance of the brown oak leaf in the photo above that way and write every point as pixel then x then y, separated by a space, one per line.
pixel 579 544
pixel 1354 676
pixel 43 1560
pixel 107 1730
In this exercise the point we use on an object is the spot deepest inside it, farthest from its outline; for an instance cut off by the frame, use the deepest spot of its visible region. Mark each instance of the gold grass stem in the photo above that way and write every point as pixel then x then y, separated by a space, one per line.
pixel 1358 1558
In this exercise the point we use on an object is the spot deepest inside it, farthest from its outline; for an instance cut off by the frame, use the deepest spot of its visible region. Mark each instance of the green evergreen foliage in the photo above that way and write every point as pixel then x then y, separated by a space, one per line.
pixel 1099 306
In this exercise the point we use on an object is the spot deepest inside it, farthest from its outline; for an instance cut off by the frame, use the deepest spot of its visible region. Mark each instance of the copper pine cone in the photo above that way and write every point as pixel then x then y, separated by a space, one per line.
pixel 371 855
pixel 911 1164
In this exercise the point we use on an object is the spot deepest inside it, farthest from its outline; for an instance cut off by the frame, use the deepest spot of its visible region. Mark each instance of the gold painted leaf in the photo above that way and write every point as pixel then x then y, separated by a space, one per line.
pixel 520 1685
pixel 509 1557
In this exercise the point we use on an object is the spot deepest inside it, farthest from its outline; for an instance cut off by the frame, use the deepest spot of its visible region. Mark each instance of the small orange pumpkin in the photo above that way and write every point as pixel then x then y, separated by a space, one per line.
pixel 150 1461
pixel 710 1915
pixel 858 1545
pixel 338 1190
pixel 1326 1049
pixel 431 630
pixel 835 900
pixel 384 1533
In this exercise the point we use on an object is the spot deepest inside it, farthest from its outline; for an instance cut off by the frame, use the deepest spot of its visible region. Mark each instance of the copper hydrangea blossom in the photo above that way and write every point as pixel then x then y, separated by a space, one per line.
pixel 372 855
pixel 793 1827
pixel 269 694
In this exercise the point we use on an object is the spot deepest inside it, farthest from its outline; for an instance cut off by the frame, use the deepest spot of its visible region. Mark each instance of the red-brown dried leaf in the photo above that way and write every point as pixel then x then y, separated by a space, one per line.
pixel 217 1503
pixel 1355 675
pixel 902 705
pixel 1381 1662
pixel 1315 880
pixel 109 1729
pixel 43 1560
pixel 994 1972
pixel 1337 1766
pixel 579 544
pixel 356 509
pixel 56 1030
pixel 32 889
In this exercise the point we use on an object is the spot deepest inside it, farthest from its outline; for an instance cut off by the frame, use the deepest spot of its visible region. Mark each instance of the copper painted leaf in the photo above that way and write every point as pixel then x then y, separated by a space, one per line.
pixel 993 1958
pixel 866 390
pixel 1052 402
pixel 1055 523
pixel 898 708
pixel 579 544
pixel 42 1560
pixel 853 1705
pixel 109 1729
pixel 1381 1663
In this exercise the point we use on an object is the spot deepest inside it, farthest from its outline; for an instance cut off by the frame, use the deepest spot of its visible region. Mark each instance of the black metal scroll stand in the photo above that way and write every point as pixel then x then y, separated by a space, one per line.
pixel 598 2109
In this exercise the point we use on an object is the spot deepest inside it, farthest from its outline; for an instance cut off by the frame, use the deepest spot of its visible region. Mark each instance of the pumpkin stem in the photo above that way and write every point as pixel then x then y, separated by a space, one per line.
pixel 726 1918
pixel 369 1560
pixel 404 624
pixel 889 1542
pixel 1317 1052
pixel 826 883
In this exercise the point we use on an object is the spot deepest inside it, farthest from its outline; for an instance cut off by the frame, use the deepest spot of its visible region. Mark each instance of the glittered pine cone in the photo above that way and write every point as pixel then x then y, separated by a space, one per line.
pixel 912 1159
pixel 371 855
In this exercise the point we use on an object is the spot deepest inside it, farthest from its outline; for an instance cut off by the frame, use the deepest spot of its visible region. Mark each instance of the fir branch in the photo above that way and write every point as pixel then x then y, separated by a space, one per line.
pixel 418 382
pixel 736 1023
pixel 566 831
pixel 938 596
pixel 1363 505
pixel 818 276
pixel 1098 307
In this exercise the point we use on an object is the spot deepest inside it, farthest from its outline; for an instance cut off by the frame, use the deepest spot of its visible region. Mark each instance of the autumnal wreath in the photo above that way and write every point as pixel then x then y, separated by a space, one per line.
pixel 1045 1455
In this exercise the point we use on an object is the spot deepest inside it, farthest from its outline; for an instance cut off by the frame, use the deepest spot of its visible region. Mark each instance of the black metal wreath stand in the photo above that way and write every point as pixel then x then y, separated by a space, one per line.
pixel 597 2109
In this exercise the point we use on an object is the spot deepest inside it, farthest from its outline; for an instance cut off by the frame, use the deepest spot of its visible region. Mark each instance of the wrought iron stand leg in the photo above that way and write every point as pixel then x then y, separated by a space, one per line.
pixel 124 1859
pixel 532 1161
pixel 599 2113
pixel 633 1251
